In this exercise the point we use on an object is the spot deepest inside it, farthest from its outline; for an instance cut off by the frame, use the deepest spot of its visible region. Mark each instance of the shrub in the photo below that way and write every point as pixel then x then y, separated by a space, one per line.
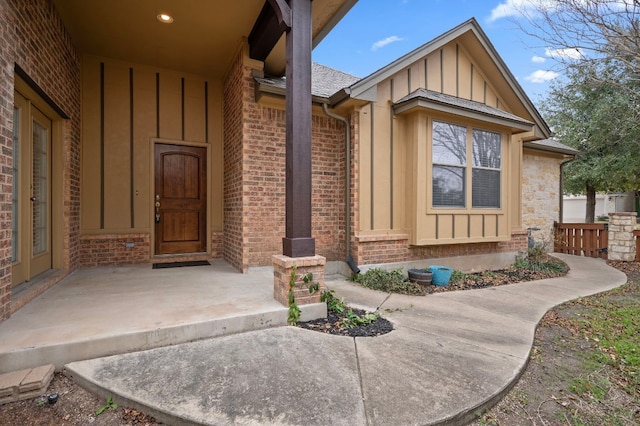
pixel 536 259
pixel 388 281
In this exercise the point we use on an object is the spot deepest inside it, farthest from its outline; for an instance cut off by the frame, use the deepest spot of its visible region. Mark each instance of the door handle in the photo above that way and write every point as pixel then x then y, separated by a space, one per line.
pixel 157 209
pixel 34 198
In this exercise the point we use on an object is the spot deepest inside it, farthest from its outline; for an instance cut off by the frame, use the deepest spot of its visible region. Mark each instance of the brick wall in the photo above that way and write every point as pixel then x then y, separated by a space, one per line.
pixel 217 245
pixel 540 195
pixel 396 248
pixel 111 249
pixel 264 177
pixel 255 177
pixel 234 97
pixel 33 36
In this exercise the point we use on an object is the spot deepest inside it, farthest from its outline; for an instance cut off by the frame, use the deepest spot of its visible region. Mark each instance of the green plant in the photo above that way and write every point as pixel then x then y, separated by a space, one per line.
pixel 333 303
pixel 110 405
pixel 536 259
pixel 388 281
pixel 294 310
pixel 457 276
pixel 352 319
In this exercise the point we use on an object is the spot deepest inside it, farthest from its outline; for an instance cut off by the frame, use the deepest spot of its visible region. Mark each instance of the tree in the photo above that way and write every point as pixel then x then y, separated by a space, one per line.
pixel 602 35
pixel 602 122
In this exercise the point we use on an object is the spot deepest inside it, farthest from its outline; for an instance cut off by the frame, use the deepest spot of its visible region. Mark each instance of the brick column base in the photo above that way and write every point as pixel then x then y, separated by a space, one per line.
pixel 282 268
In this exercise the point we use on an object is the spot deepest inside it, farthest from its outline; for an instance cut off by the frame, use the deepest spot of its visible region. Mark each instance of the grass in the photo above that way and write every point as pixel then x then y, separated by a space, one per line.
pixel 615 330
pixel 586 368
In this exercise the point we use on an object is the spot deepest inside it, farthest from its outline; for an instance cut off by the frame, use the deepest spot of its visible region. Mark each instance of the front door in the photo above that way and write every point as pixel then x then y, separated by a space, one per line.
pixel 31 224
pixel 180 200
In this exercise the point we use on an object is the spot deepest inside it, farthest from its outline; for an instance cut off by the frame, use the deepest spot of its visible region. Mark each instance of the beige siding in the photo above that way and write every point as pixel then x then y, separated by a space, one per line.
pixel 381 154
pixel 144 117
pixel 116 147
pixel 366 171
pixel 91 187
pixel 141 104
pixel 465 78
pixel 394 157
pixel 450 70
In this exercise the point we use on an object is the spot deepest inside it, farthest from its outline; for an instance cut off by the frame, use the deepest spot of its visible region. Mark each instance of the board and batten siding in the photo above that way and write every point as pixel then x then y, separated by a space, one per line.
pixel 393 187
pixel 125 108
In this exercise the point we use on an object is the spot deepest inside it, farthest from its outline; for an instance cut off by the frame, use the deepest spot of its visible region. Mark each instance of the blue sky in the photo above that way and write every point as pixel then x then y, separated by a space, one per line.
pixel 377 32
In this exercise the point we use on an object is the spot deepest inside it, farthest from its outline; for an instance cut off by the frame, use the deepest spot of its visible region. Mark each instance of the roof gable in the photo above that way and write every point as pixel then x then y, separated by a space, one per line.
pixel 477 45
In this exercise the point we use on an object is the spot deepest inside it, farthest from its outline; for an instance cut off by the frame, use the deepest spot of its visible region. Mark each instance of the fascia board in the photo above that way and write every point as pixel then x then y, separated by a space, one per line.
pixel 519 126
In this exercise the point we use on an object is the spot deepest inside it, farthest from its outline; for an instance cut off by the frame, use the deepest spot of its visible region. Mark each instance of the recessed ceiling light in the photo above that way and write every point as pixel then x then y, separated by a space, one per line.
pixel 164 18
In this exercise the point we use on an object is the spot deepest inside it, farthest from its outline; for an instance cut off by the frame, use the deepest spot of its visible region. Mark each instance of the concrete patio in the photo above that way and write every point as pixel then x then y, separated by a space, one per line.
pixel 112 310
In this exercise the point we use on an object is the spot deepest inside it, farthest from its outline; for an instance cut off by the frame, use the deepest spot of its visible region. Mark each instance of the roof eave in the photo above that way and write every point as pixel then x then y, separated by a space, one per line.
pixel 556 150
pixel 517 126
pixel 264 89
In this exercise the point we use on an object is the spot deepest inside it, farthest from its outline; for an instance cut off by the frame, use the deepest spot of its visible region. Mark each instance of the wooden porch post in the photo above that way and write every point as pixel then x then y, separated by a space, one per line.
pixel 298 241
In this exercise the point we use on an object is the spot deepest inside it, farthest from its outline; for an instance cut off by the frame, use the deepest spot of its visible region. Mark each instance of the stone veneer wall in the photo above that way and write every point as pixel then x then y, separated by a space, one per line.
pixel 254 163
pixel 622 242
pixel 540 195
pixel 33 36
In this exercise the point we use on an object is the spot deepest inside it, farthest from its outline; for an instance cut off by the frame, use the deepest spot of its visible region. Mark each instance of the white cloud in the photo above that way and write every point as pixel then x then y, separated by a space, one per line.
pixel 384 42
pixel 569 53
pixel 538 59
pixel 541 76
pixel 519 7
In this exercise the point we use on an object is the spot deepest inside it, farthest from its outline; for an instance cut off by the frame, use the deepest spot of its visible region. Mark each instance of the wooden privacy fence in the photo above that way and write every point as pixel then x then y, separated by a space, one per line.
pixel 582 239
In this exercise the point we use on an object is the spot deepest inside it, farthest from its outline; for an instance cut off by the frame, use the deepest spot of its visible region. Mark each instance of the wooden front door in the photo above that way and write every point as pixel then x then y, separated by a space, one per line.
pixel 180 200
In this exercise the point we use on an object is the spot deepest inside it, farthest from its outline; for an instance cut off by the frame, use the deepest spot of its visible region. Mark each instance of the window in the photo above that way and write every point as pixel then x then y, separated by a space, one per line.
pixel 485 191
pixel 450 166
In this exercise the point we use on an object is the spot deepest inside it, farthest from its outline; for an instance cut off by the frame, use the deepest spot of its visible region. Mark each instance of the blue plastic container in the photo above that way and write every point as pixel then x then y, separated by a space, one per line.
pixel 441 274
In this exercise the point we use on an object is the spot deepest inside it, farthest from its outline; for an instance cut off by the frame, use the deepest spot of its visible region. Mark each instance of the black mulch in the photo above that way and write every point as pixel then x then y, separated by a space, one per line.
pixel 332 325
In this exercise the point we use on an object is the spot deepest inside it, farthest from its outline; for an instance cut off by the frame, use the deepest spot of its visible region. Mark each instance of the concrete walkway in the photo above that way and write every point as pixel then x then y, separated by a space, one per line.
pixel 450 355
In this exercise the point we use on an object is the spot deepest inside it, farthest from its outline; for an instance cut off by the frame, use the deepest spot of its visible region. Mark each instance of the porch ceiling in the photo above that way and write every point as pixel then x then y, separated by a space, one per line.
pixel 202 38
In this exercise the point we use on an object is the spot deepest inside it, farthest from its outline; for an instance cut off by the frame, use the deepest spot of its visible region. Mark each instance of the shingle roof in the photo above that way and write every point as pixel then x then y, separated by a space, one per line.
pixel 325 81
pixel 466 104
pixel 552 145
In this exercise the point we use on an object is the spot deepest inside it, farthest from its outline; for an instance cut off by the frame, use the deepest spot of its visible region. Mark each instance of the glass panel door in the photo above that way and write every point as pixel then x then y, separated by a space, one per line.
pixel 15 199
pixel 31 195
pixel 40 193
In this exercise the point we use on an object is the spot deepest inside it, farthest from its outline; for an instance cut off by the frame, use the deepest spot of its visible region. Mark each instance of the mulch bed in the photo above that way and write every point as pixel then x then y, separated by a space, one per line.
pixel 492 279
pixel 333 325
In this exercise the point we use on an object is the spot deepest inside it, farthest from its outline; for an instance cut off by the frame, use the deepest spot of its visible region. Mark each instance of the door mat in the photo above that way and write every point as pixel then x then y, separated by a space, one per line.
pixel 180 264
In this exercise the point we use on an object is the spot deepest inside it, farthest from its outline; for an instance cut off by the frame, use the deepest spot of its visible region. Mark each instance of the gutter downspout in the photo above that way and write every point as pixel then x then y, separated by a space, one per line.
pixel 347 225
